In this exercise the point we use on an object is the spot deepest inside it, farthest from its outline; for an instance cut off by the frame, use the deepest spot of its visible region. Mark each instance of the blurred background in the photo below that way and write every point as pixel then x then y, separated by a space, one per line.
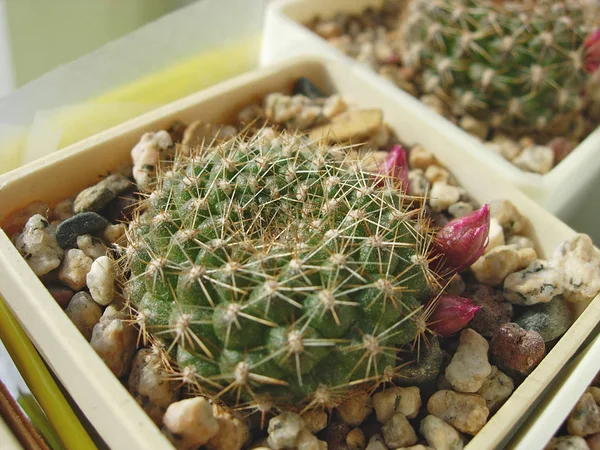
pixel 72 68
pixel 39 35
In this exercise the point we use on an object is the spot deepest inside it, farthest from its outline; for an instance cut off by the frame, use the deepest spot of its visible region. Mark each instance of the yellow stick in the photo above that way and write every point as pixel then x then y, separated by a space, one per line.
pixel 29 363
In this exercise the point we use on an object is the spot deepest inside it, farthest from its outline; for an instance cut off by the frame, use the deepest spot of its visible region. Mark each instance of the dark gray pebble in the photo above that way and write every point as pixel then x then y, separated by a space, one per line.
pixel 551 319
pixel 303 86
pixel 79 224
pixel 422 369
pixel 101 194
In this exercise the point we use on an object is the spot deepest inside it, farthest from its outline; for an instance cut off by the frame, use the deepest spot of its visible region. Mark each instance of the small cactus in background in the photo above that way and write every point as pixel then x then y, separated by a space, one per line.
pixel 277 275
pixel 521 66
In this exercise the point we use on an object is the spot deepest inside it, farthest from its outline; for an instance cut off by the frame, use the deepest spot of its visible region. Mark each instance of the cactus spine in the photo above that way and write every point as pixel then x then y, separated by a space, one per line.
pixel 518 65
pixel 275 274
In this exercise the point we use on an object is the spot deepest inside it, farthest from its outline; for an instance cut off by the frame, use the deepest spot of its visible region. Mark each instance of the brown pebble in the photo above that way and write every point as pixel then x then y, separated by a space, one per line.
pixel 516 350
pixel 61 294
pixel 335 434
pixel 16 221
pixel 494 311
pixel 355 440
pixel 122 208
pixel 561 148
pixel 352 126
pixel 176 131
pixel 371 429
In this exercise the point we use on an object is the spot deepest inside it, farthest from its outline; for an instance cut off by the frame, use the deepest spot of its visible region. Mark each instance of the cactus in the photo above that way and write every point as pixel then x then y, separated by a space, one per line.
pixel 522 66
pixel 276 274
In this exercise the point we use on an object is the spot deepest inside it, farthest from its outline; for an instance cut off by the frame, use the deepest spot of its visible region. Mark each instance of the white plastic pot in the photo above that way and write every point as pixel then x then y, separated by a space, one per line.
pixel 102 398
pixel 567 190
pixel 561 397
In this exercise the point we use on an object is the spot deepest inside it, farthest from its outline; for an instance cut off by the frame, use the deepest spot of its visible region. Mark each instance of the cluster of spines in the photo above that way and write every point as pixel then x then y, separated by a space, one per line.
pixel 274 274
pixel 518 65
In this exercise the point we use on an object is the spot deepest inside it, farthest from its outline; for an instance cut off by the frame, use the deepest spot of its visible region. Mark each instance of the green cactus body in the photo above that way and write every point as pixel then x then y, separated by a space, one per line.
pixel 272 270
pixel 517 65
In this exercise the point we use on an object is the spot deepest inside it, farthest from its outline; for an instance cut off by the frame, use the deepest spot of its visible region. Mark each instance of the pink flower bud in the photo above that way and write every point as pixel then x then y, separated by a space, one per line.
pixel 462 241
pixel 395 167
pixel 451 314
pixel 591 49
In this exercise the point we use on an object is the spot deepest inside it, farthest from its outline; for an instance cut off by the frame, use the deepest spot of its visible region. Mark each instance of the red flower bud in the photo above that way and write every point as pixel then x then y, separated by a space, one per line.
pixel 395 167
pixel 591 50
pixel 462 241
pixel 451 314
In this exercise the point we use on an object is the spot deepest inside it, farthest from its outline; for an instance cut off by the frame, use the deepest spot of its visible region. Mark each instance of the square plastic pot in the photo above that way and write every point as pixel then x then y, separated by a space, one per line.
pixel 102 397
pixel 564 191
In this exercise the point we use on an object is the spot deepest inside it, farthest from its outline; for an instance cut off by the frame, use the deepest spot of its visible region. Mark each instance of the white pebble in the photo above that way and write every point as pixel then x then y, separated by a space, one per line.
pixel 496 235
pixel 418 182
pixel 150 385
pixel 419 158
pixel 355 409
pixel 460 209
pixel 152 148
pixel 84 312
pixel 465 412
pixel 333 106
pixel 538 283
pixel 496 388
pixel 308 441
pixel 406 400
pixel 192 421
pixel 520 241
pixel 568 443
pixel 442 196
pixel 101 280
pixel 398 432
pixel 469 366
pixel 494 266
pixel 508 216
pixel 579 261
pixel 63 210
pixel 417 447
pixel 440 435
pixel 112 233
pixel 437 174
pixel 91 246
pixel 37 243
pixel 114 340
pixel 584 419
pixel 505 146
pixel 74 269
pixel 232 434
pixel 284 430
pixel 376 443
pixel 537 159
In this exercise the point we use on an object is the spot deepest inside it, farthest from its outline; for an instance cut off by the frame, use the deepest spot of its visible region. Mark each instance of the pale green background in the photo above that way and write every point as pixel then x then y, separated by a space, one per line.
pixel 44 34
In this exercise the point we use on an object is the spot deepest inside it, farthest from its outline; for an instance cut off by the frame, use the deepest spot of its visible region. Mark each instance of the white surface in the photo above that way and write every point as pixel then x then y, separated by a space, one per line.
pixel 188 31
pixel 110 409
pixel 564 191
pixel 6 66
pixel 8 441
pixel 542 427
